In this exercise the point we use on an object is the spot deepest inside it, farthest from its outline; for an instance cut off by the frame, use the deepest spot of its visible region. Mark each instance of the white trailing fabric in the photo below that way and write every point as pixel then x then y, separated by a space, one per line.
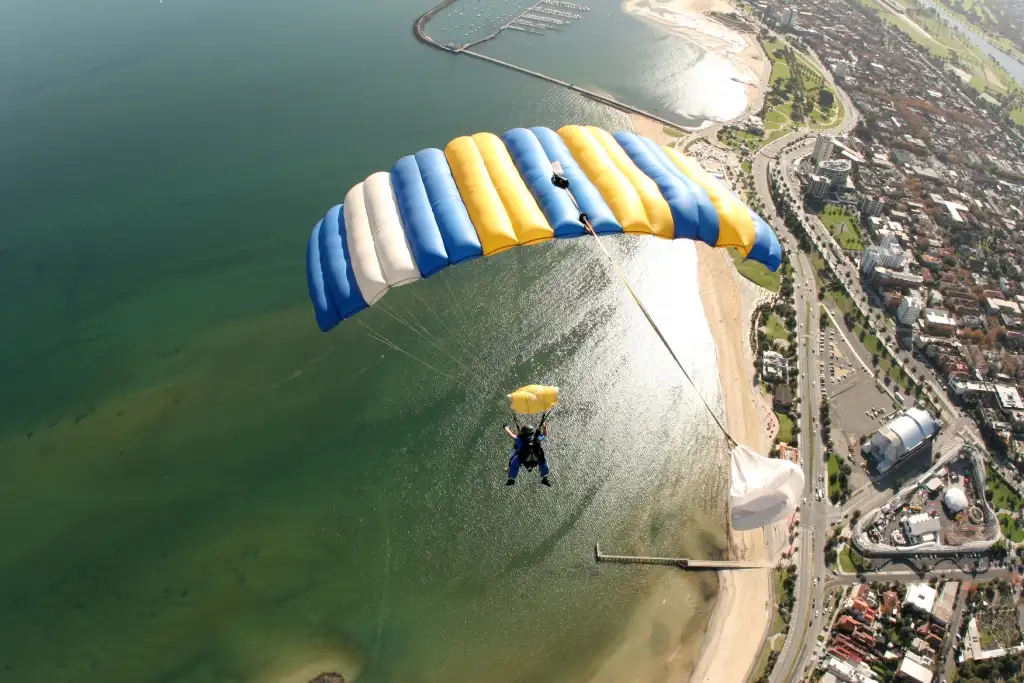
pixel 762 490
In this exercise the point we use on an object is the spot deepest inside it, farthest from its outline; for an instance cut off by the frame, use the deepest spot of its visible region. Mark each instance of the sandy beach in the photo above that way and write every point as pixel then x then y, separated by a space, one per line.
pixel 686 18
pixel 744 606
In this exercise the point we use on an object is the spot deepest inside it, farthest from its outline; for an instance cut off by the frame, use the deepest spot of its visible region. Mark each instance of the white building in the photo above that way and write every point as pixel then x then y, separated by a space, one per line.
pixel 914 667
pixel 893 442
pixel 1008 397
pixel 921 528
pixel 955 500
pixel 774 366
pixel 909 310
pixel 836 170
pixel 840 68
pixel 936 321
pixel 889 256
pixel 921 597
pixel 847 672
pixel 817 186
pixel 822 150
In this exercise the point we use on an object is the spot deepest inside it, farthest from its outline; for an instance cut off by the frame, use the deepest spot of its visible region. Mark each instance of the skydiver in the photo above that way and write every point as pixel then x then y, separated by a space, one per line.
pixel 528 452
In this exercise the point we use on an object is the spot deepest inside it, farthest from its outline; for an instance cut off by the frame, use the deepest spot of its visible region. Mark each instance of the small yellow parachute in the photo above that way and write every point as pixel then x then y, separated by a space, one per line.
pixel 533 398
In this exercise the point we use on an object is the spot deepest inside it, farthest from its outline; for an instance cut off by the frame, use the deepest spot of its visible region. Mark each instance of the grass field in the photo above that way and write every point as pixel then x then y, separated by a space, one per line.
pixel 755 272
pixel 842 300
pixel 845 229
pixel 833 474
pixel 1003 497
pixel 775 329
pixel 1012 529
pixel 1017 116
pixel 848 560
pixel 785 427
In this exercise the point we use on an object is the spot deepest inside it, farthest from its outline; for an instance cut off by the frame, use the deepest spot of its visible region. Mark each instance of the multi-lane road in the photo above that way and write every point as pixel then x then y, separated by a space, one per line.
pixel 814 581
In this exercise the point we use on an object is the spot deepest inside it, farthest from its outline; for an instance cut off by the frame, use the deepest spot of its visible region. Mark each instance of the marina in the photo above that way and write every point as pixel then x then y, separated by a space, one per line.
pixel 528 21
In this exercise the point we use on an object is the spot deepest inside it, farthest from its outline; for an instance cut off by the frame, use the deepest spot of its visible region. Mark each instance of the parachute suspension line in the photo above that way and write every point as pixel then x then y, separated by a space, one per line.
pixel 384 340
pixel 425 335
pixel 560 181
pixel 473 358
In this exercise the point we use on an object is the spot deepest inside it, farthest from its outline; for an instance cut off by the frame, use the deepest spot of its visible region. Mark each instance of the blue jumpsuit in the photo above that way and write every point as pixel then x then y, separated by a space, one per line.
pixel 514 464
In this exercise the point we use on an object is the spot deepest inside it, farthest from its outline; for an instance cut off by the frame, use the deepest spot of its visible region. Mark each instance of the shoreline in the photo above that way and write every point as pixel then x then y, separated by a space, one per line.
pixel 744 606
pixel 689 19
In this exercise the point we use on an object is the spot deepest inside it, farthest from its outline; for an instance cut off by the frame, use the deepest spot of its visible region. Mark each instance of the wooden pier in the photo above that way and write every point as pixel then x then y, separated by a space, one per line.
pixel 680 562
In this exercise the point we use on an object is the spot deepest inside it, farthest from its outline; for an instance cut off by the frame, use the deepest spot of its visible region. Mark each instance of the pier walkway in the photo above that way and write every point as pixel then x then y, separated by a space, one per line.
pixel 419 30
pixel 680 562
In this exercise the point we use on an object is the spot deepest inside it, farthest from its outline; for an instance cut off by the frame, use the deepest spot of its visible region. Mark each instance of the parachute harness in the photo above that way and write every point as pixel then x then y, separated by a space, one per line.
pixel 559 180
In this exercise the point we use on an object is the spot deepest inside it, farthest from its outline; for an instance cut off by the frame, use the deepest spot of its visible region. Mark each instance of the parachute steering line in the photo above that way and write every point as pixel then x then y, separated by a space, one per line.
pixel 559 180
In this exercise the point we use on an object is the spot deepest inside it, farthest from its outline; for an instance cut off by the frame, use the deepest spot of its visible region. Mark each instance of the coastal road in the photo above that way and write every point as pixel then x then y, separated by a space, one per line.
pixel 813 513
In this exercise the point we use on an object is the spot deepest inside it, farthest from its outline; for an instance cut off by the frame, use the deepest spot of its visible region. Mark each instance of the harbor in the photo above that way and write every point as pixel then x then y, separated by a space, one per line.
pixel 535 19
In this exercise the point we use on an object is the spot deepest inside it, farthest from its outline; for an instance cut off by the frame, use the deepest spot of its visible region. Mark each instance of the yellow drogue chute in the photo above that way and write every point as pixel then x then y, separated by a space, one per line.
pixel 533 398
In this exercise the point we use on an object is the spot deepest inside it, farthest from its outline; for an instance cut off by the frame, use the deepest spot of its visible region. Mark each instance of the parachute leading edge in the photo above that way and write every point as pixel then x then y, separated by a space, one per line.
pixel 485 194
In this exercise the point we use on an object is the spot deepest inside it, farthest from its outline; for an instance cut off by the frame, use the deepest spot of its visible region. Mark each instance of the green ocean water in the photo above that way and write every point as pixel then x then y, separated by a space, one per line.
pixel 195 483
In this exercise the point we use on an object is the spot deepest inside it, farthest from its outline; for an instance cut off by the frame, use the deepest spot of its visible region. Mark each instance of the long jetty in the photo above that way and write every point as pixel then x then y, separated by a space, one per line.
pixel 680 562
pixel 419 30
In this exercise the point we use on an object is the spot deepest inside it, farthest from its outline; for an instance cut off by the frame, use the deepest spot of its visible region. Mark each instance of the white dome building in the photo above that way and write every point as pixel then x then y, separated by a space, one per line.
pixel 901 436
pixel 955 500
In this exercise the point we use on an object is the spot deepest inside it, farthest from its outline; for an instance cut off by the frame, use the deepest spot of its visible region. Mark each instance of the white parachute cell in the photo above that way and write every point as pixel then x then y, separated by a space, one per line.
pixel 762 490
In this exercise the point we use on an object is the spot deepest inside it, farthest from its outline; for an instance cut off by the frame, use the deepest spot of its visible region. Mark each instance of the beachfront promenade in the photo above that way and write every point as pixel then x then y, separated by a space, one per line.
pixel 419 30
pixel 680 562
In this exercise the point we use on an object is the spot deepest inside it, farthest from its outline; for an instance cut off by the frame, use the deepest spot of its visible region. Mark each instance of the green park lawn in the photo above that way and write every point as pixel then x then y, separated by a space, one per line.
pixel 755 272
pixel 848 560
pixel 844 228
pixel 785 427
pixel 1003 497
pixel 775 329
pixel 1011 528
pixel 1017 116
pixel 842 300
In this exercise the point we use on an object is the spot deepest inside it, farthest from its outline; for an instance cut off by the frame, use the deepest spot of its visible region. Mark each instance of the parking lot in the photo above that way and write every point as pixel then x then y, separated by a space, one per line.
pixel 858 406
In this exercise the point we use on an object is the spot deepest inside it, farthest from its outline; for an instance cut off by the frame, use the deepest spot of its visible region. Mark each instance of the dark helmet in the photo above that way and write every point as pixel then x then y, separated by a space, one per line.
pixel 527 431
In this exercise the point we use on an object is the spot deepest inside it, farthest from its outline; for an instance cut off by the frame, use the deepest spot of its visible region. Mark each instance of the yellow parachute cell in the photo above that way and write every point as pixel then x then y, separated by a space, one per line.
pixel 534 398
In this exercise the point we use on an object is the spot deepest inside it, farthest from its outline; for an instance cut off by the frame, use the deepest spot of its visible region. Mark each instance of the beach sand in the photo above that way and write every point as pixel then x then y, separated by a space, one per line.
pixel 744 605
pixel 685 18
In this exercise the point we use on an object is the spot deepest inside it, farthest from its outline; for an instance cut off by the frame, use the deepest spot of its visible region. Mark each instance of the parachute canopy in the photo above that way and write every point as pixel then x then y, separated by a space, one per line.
pixel 485 194
pixel 762 490
pixel 533 398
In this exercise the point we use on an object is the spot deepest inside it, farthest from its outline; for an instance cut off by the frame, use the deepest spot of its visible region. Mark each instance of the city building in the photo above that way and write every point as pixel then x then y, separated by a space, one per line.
pixel 836 170
pixel 872 206
pixel 891 256
pixel 1008 397
pixel 790 453
pixel 909 310
pixel 920 597
pixel 774 366
pixel 822 150
pixel 942 612
pixel 921 528
pixel 901 437
pixel 915 668
pixel 817 186
pixel 847 672
pixel 840 68
pixel 938 322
